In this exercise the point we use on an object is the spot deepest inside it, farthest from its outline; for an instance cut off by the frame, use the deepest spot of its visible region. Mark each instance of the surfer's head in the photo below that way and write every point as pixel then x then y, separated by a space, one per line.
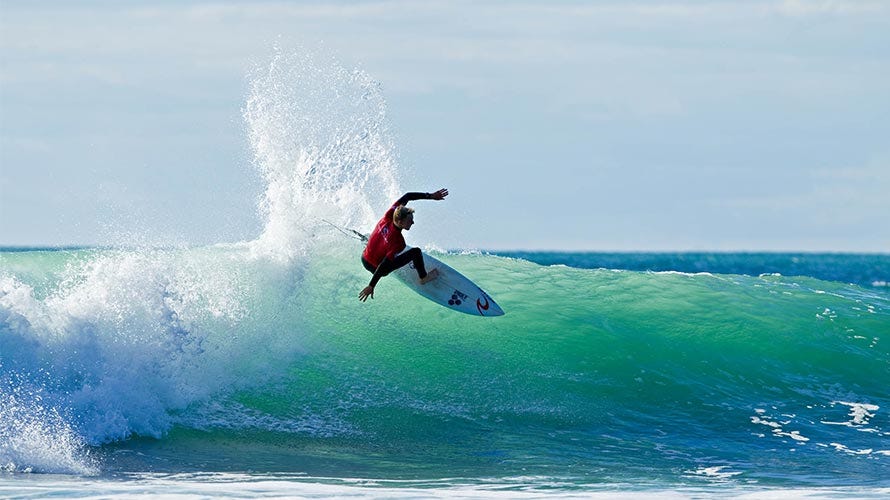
pixel 403 217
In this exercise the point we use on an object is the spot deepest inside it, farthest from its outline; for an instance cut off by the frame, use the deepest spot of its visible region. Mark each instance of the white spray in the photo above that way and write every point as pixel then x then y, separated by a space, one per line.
pixel 127 341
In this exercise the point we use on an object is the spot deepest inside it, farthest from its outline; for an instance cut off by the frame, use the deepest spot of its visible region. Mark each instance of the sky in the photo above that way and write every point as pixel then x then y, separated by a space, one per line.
pixel 756 125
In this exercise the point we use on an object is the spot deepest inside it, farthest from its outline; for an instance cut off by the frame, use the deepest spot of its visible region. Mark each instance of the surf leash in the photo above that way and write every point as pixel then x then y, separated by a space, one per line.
pixel 352 233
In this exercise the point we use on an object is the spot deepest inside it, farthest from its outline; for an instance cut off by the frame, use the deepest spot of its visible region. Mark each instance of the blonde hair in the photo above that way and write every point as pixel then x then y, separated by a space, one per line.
pixel 401 213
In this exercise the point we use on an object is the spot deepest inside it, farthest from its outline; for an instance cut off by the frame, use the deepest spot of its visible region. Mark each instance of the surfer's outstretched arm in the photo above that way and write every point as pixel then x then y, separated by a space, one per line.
pixel 438 195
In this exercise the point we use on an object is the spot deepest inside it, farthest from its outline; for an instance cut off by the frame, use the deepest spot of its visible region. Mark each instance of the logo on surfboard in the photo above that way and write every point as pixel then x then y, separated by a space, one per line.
pixel 482 307
pixel 457 297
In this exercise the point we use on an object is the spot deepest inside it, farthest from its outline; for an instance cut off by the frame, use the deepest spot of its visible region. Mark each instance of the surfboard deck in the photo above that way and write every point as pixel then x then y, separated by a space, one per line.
pixel 451 289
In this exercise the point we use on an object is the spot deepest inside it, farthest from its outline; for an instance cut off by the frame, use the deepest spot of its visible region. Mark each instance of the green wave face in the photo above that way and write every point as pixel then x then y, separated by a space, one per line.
pixel 213 356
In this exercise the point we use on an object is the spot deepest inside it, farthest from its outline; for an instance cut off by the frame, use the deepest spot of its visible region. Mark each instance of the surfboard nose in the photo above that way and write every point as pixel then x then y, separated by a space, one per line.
pixel 487 306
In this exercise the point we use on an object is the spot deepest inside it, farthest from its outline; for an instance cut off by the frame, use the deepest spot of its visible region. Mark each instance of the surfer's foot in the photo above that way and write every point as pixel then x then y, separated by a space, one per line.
pixel 430 276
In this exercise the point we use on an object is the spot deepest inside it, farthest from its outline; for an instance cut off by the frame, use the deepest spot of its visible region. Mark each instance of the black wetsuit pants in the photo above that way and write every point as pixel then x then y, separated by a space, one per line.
pixel 387 266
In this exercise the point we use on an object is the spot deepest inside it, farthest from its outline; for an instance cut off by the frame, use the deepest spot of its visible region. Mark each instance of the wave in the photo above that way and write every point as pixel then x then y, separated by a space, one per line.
pixel 125 344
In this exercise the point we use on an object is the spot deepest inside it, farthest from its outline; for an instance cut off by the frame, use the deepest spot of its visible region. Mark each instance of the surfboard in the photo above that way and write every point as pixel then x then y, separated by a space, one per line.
pixel 451 289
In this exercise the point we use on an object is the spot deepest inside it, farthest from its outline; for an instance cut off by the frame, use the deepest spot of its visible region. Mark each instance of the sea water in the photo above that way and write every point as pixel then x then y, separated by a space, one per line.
pixel 250 369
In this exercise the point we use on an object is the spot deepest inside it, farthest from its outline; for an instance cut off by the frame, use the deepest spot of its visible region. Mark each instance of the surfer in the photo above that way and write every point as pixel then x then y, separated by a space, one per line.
pixel 386 252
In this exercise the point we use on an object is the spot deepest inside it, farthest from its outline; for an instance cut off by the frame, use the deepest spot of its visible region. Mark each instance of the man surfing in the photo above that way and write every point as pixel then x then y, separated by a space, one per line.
pixel 386 249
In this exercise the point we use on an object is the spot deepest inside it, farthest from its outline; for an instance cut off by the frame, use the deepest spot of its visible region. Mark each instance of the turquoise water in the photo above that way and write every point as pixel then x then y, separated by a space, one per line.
pixel 251 369
pixel 214 360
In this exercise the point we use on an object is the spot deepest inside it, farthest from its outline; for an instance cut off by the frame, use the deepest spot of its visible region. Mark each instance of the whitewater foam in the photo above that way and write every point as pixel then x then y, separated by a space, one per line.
pixel 36 438
pixel 125 341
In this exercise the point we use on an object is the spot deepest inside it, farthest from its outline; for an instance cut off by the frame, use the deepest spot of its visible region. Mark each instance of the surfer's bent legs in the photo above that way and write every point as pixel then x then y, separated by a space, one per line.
pixel 387 266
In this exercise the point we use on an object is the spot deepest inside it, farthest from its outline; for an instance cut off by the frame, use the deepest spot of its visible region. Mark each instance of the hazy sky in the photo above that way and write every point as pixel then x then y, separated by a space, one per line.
pixel 600 125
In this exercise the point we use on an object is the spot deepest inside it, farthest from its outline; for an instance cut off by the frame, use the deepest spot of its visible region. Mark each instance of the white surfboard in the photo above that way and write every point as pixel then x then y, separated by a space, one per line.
pixel 450 289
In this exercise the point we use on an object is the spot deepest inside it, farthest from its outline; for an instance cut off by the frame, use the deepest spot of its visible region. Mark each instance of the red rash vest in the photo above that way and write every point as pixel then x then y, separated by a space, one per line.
pixel 386 240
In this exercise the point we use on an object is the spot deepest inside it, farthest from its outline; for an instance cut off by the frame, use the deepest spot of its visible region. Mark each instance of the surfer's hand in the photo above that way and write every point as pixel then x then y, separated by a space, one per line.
pixel 439 195
pixel 368 291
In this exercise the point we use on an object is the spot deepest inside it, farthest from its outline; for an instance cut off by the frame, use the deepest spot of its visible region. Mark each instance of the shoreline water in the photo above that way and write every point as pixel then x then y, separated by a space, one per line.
pixel 222 485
